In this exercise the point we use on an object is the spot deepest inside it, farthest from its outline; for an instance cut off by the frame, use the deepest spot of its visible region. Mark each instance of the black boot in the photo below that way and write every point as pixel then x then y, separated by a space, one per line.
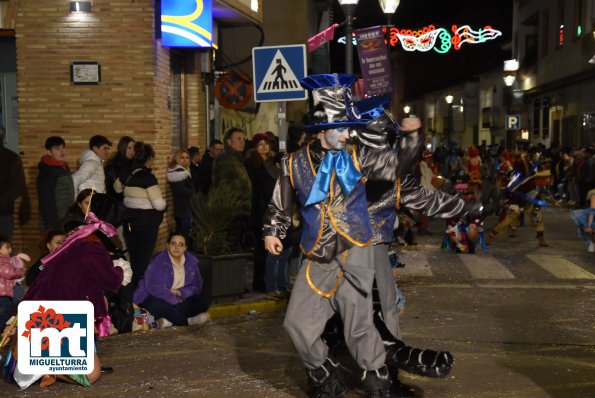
pixel 376 383
pixel 397 388
pixel 326 381
pixel 422 362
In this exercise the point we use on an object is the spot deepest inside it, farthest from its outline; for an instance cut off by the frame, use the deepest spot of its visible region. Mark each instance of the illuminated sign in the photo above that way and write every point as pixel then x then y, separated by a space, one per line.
pixel 437 38
pixel 186 23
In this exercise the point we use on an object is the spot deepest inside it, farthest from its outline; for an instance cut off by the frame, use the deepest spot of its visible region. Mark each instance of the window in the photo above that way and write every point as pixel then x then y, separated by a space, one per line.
pixel 486 117
pixel 545 117
pixel 530 50
pixel 536 117
pixel 430 124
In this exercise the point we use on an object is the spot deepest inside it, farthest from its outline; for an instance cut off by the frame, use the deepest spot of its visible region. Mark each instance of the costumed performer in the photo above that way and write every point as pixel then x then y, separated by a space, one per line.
pixel 338 273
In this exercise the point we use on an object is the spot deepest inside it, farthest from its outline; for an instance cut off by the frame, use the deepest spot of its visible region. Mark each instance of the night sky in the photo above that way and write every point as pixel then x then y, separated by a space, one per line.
pixel 430 71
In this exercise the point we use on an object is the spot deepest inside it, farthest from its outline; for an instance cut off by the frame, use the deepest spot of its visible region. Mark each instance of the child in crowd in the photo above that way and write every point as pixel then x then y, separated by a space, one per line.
pixel 11 268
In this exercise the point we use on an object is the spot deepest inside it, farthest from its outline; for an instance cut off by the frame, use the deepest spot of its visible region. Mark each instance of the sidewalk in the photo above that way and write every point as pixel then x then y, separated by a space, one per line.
pixel 250 303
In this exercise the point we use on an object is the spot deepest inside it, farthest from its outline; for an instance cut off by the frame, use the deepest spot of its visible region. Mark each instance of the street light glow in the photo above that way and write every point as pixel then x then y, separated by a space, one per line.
pixel 511 65
pixel 509 80
pixel 389 6
pixel 406 109
pixel 346 2
pixel 449 98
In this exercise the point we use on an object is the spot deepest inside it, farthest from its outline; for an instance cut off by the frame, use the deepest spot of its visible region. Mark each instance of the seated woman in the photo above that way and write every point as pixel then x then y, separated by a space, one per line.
pixel 171 286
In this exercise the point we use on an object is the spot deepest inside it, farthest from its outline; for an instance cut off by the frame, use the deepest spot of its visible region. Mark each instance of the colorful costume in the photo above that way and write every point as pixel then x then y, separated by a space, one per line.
pixel 524 195
pixel 338 270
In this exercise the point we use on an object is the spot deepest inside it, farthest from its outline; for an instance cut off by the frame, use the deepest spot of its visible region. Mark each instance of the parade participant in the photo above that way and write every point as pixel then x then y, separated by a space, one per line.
pixel 473 166
pixel 463 233
pixel 383 206
pixel 338 272
pixel 524 194
pixel 65 277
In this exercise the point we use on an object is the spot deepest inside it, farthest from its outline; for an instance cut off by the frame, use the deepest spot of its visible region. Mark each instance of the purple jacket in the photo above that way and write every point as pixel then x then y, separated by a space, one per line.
pixel 159 278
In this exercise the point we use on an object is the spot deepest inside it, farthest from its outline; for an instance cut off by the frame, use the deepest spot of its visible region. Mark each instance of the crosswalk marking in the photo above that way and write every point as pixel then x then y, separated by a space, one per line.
pixel 415 262
pixel 560 267
pixel 485 267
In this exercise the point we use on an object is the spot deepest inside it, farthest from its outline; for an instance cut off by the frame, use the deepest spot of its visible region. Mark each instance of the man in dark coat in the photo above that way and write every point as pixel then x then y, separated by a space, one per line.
pixel 55 187
pixel 229 170
pixel 205 167
pixel 12 185
pixel 195 158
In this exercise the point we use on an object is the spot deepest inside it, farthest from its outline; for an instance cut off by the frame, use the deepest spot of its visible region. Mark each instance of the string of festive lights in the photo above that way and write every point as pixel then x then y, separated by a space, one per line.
pixel 437 38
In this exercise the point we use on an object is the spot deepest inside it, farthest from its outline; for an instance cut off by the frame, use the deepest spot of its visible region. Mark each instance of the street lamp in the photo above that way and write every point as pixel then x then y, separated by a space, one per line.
pixel 511 67
pixel 449 98
pixel 389 7
pixel 348 8
pixel 406 109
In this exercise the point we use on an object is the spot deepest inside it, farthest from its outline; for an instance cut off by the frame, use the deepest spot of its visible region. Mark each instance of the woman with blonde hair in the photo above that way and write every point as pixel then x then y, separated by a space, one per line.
pixel 182 188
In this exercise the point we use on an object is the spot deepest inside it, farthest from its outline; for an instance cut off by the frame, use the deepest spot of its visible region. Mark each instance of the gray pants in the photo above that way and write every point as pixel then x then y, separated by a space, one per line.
pixel 385 282
pixel 308 312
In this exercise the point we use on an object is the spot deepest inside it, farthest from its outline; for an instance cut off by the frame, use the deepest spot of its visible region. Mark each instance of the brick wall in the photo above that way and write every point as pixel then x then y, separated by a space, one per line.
pixel 196 101
pixel 131 98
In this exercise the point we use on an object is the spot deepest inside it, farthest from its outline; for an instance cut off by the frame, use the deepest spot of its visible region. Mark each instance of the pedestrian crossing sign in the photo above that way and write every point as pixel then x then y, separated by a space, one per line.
pixel 278 71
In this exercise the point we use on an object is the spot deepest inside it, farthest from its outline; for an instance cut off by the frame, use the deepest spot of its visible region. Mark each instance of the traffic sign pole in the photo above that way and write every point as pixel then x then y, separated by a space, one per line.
pixel 282 120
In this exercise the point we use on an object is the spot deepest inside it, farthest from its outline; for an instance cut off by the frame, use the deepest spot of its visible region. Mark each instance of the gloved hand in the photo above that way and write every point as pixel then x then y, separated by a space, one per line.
pixel 374 135
pixel 125 265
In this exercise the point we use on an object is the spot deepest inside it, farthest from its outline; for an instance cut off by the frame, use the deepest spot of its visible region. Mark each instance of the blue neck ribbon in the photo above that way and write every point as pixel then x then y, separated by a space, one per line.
pixel 347 175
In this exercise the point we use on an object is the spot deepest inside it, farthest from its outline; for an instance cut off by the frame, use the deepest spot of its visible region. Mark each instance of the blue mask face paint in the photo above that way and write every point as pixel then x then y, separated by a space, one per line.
pixel 335 139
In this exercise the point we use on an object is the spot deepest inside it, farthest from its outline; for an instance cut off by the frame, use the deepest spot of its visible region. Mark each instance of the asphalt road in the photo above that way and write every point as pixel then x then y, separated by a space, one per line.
pixel 519 320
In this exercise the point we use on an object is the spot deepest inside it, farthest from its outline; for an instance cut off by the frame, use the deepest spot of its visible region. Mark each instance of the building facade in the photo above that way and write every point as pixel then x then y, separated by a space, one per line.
pixel 154 93
pixel 551 99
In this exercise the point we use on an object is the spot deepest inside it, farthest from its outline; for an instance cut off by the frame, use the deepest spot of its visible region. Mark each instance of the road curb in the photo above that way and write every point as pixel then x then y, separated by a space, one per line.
pixel 243 308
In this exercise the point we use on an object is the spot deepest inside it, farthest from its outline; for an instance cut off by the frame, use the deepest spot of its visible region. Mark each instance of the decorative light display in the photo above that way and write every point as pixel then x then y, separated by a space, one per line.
pixel 425 39
pixel 437 38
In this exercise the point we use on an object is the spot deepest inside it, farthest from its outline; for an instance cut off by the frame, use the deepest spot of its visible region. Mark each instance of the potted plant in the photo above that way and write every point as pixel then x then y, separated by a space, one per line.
pixel 223 270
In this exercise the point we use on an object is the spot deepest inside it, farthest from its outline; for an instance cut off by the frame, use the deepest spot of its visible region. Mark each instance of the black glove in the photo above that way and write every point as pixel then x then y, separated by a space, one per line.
pixel 375 134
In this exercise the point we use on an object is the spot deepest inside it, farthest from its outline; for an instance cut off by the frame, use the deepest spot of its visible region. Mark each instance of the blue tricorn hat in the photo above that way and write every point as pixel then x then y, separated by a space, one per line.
pixel 333 103
pixel 373 107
